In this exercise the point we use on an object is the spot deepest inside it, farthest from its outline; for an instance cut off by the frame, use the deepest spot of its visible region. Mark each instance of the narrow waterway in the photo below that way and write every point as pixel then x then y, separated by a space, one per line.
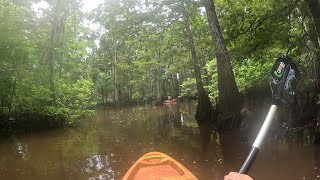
pixel 105 146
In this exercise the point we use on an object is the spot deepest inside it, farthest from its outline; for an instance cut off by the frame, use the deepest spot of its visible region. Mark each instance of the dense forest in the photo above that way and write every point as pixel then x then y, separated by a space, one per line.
pixel 58 62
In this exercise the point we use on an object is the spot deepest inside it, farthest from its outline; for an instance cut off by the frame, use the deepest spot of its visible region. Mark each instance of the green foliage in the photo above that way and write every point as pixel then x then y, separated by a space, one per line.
pixel 212 75
pixel 76 99
pixel 24 74
pixel 252 73
pixel 188 88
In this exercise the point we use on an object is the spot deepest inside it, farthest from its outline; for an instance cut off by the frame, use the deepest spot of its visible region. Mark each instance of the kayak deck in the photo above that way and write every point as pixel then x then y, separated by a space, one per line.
pixel 158 166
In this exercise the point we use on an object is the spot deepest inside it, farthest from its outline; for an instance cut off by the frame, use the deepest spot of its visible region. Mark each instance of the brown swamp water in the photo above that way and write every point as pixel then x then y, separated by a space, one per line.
pixel 104 147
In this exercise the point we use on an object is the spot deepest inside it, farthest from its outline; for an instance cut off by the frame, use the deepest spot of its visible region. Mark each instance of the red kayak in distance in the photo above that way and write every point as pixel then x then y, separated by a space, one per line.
pixel 169 102
pixel 158 166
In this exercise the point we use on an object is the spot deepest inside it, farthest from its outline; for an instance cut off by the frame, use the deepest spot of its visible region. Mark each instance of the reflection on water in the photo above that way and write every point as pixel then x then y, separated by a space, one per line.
pixel 107 145
pixel 22 150
pixel 99 168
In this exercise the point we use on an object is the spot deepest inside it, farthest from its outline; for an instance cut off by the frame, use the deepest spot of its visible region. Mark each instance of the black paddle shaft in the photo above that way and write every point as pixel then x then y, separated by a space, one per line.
pixel 249 160
pixel 284 81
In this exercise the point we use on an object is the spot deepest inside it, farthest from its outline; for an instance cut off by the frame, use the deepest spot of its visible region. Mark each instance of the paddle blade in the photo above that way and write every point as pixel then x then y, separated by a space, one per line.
pixel 284 81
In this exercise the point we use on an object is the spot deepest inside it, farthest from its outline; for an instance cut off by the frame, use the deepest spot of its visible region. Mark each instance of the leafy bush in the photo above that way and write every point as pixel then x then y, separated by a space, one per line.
pixel 189 88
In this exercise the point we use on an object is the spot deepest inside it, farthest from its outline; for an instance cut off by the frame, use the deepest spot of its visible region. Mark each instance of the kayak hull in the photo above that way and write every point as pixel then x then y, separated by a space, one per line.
pixel 158 166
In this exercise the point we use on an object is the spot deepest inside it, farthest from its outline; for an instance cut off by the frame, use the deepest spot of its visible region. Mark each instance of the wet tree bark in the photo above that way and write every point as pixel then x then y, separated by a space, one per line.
pixel 229 96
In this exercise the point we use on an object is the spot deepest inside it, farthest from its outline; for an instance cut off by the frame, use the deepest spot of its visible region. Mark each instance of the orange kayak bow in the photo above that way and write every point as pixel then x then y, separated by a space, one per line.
pixel 158 166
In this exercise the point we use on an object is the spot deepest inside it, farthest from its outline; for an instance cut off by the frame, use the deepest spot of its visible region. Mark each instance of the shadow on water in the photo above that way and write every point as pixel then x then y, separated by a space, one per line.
pixel 107 145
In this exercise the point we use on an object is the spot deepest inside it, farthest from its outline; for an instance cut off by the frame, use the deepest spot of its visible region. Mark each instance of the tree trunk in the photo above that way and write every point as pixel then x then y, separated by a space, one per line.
pixel 158 82
pixel 314 6
pixel 56 29
pixel 316 59
pixel 229 96
pixel 175 86
pixel 115 75
pixel 205 113
pixel 51 77
pixel 314 32
pixel 13 93
pixel 195 63
pixel 130 93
